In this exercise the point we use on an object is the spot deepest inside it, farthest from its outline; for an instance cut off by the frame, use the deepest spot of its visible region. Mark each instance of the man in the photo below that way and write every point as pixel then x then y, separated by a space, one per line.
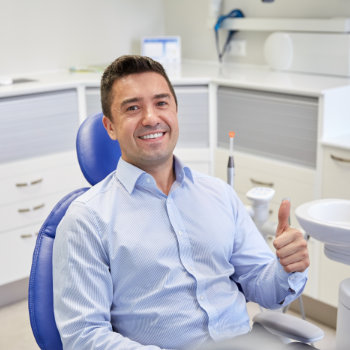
pixel 156 255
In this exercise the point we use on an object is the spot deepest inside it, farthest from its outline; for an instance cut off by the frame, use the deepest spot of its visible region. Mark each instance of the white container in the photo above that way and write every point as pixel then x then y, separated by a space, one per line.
pixel 343 317
pixel 319 53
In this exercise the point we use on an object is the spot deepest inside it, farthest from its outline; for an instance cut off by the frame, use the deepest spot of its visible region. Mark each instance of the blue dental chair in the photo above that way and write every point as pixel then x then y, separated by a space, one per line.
pixel 98 156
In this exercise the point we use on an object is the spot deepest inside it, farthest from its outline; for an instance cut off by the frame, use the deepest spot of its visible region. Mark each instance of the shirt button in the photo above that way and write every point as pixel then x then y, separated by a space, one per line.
pixel 201 297
pixel 180 233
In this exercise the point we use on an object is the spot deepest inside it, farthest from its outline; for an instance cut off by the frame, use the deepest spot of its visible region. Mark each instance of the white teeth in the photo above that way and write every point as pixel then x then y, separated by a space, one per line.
pixel 151 136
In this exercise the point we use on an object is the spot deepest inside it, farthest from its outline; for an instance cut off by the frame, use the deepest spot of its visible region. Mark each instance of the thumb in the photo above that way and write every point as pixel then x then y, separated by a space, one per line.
pixel 283 217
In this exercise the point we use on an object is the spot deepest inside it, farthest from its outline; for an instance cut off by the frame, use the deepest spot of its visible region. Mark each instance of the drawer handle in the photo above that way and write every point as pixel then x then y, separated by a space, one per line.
pixel 21 184
pixel 37 181
pixel 32 183
pixel 26 236
pixel 261 183
pixel 24 210
pixel 37 207
pixel 340 159
pixel 27 210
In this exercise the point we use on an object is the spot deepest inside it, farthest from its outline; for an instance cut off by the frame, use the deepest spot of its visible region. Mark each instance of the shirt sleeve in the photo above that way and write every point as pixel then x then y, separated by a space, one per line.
pixel 257 269
pixel 83 288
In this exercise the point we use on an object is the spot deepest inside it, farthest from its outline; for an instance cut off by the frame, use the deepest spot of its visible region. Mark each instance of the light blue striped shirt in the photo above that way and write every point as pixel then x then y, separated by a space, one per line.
pixel 136 269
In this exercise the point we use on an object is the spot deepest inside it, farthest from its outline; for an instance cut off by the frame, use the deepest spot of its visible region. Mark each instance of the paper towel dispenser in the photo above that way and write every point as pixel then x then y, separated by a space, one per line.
pixel 319 53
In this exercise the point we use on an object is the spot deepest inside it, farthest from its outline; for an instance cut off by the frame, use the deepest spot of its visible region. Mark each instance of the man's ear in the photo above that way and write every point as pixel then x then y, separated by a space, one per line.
pixel 109 126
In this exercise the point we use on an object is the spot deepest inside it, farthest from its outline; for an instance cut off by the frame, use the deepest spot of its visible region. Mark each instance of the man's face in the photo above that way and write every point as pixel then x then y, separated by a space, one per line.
pixel 144 119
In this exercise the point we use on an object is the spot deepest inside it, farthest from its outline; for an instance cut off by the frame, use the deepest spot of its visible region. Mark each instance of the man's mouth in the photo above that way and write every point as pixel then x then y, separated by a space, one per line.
pixel 152 136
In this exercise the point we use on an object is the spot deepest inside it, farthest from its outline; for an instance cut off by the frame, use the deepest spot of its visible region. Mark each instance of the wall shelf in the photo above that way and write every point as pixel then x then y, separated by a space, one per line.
pixel 325 25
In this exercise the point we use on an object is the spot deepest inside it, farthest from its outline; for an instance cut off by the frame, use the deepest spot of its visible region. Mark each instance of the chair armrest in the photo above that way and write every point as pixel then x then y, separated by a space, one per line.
pixel 289 326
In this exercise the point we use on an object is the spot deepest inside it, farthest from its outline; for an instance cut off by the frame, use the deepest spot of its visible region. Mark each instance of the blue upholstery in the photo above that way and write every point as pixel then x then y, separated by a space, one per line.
pixel 40 297
pixel 98 155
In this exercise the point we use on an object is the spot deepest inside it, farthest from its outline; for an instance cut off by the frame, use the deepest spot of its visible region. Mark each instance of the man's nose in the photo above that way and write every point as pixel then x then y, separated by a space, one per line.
pixel 150 116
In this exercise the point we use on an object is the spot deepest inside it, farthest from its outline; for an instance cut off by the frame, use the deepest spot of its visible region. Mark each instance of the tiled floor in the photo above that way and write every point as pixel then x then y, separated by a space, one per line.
pixel 15 331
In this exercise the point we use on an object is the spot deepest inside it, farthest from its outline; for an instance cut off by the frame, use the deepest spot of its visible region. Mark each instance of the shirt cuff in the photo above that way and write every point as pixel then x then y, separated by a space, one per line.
pixel 292 283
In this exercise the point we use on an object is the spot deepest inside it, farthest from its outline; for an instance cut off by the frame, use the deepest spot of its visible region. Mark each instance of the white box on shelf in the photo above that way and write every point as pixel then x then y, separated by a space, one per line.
pixel 164 49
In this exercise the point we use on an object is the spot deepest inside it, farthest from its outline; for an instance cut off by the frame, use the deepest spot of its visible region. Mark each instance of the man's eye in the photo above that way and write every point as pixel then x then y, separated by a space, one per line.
pixel 162 103
pixel 132 108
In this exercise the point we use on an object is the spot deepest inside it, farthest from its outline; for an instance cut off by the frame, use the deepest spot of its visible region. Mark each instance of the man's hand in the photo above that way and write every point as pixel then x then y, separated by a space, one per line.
pixel 291 247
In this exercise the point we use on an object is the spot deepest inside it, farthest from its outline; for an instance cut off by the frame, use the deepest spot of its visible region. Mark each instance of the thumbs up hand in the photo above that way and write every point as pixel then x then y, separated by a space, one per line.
pixel 290 245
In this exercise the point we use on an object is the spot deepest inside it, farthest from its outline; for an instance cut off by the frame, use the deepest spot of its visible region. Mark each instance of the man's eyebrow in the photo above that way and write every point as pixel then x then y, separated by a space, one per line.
pixel 164 95
pixel 130 100
pixel 138 99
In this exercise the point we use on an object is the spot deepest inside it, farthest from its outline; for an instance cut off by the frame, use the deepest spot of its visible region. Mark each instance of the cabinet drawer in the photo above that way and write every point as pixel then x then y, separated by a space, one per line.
pixel 29 212
pixel 294 182
pixel 38 183
pixel 16 250
pixel 336 173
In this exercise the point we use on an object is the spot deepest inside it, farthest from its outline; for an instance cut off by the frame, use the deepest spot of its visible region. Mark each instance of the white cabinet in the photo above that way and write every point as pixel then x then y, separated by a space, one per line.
pixel 38 167
pixel 335 184
pixel 336 173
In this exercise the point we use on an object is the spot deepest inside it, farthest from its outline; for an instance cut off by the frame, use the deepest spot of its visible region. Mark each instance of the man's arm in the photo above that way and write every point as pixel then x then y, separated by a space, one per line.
pixel 263 278
pixel 83 288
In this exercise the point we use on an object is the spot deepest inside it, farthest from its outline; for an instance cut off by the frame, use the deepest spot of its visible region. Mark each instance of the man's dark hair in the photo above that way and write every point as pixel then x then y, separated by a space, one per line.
pixel 123 66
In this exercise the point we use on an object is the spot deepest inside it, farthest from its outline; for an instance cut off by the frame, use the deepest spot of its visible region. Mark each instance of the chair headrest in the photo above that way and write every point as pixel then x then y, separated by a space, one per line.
pixel 98 154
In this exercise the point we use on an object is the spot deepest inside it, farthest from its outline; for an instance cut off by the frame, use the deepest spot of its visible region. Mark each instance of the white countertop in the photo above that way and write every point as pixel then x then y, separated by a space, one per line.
pixel 194 73
pixel 342 141
pixel 199 73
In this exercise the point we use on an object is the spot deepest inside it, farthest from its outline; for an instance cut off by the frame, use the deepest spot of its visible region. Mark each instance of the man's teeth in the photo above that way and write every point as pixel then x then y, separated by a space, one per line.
pixel 151 136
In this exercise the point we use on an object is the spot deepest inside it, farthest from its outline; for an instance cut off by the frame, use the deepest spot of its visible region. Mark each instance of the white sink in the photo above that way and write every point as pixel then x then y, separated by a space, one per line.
pixel 328 220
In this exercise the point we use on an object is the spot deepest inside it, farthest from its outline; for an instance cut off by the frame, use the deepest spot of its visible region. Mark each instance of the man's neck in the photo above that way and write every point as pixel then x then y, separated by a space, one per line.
pixel 164 176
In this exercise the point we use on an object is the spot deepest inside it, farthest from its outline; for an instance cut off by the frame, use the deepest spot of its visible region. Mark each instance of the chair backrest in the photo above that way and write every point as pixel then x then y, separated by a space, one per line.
pixel 98 155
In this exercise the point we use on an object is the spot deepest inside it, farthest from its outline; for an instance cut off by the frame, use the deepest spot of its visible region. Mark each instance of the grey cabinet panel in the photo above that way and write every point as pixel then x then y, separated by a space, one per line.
pixel 38 124
pixel 278 126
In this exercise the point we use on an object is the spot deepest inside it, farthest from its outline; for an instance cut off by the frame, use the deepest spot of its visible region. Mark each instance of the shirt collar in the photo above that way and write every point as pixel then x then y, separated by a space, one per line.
pixel 181 171
pixel 129 174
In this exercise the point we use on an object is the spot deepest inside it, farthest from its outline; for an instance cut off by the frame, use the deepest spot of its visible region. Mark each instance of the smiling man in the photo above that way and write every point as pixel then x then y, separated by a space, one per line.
pixel 143 118
pixel 158 256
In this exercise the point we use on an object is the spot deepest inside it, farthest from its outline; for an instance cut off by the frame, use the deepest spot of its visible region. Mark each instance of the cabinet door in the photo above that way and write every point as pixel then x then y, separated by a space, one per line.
pixel 336 173
pixel 93 101
pixel 278 126
pixel 193 115
pixel 331 274
pixel 38 124
pixel 16 251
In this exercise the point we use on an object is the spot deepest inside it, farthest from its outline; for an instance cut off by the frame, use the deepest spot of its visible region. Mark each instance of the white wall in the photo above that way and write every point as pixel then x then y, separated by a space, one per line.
pixel 41 35
pixel 190 20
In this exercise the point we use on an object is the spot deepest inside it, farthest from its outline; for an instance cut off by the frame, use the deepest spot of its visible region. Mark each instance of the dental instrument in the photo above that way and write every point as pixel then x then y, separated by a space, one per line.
pixel 231 163
pixel 233 14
